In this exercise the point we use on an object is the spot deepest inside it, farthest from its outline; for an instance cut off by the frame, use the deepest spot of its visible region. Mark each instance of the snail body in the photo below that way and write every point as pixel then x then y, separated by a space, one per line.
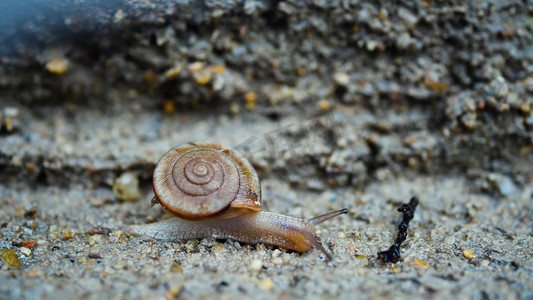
pixel 215 192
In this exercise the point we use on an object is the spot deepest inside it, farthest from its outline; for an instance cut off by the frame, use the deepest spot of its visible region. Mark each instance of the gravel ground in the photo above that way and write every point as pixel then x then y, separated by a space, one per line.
pixel 336 104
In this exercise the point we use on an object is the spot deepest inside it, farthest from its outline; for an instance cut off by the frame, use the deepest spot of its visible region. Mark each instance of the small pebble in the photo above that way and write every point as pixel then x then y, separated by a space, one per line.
pixel 266 284
pixel 421 264
pixel 25 251
pixel 276 253
pixel 100 230
pixel 94 239
pixel 10 258
pixel 250 98
pixel 256 265
pixel 126 187
pixel 29 244
pixel 234 108
pixel 169 107
pixel 57 66
pixel 277 261
pixel 324 104
pixel 173 72
pixel 468 254
pixel 202 77
pixel 341 78
pixel 119 15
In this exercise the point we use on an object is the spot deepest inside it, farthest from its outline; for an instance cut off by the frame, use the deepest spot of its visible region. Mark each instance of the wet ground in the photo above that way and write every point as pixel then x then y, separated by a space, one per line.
pixel 350 105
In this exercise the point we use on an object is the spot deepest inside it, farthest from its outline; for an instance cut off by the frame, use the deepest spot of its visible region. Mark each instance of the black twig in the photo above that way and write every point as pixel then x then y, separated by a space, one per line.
pixel 408 211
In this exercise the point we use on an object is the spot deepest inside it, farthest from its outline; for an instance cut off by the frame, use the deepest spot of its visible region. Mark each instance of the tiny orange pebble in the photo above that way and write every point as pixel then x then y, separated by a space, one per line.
pixel 31 166
pixel 29 244
pixel 503 106
pixel 421 264
pixel 301 72
pixel 250 97
pixel 425 4
pixel 67 236
pixel 169 107
pixel 360 256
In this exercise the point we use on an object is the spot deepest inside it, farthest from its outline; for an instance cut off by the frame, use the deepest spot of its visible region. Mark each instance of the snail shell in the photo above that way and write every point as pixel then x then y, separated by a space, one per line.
pixel 215 192
pixel 196 181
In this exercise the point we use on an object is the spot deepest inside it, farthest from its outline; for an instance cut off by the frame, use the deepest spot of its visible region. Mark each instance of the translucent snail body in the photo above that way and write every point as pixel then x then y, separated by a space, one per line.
pixel 215 192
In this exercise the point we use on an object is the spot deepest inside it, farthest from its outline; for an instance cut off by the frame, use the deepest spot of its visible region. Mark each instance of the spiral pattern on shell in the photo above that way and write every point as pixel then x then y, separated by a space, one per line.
pixel 196 181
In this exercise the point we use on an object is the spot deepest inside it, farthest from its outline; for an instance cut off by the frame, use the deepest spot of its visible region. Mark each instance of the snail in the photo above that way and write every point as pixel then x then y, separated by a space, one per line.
pixel 215 192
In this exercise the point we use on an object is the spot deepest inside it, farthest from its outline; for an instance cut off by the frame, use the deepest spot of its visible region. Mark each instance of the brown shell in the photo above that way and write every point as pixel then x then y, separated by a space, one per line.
pixel 196 181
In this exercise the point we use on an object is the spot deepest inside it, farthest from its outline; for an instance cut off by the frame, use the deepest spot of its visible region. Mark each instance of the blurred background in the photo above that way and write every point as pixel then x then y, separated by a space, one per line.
pixel 335 103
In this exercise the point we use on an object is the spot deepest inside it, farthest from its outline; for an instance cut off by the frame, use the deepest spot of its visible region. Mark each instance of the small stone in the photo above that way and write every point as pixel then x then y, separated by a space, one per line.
pixel 100 230
pixel 119 15
pixel 341 78
pixel 408 18
pixel 256 265
pixel 250 99
pixel 276 253
pixel 176 268
pixel 324 104
pixel 57 66
pixel 9 119
pixel 196 67
pixel 67 236
pixel 126 187
pixel 169 107
pixel 421 264
pixel 468 254
pixel 173 72
pixel 218 69
pixel 203 77
pixel 10 258
pixel 277 261
pixel 94 239
pixel 266 284
pixel 25 251
pixel 234 108
pixel 29 244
